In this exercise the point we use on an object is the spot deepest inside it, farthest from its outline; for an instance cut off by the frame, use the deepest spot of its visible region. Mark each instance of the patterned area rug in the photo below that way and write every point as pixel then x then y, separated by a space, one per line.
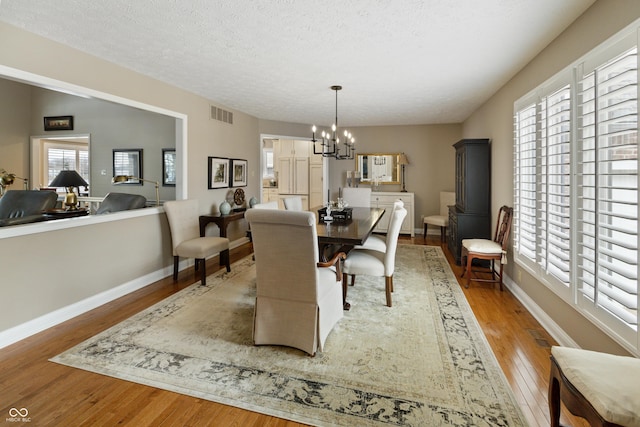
pixel 423 362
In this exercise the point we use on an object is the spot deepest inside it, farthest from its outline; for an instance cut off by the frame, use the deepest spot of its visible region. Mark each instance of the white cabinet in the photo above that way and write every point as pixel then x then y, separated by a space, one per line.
pixel 269 195
pixel 385 200
pixel 293 175
pixel 315 184
pixel 293 148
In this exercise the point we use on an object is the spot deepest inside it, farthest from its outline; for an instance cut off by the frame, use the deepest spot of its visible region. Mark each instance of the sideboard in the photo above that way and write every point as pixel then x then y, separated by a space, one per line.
pixel 385 200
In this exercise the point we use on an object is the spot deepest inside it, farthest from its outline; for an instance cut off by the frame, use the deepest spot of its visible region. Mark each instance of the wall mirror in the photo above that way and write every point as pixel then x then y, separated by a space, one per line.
pixel 380 167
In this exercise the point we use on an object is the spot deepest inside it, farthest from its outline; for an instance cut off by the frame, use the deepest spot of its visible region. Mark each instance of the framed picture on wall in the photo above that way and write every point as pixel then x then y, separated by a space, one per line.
pixel 168 167
pixel 238 173
pixel 218 172
pixel 58 123
pixel 127 163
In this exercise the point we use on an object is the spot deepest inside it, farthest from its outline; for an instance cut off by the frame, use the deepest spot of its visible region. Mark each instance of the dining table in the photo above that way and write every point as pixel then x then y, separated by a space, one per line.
pixel 343 235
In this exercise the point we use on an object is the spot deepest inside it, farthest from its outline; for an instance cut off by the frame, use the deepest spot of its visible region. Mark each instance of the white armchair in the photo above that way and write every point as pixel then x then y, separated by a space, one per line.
pixel 379 243
pixel 370 262
pixel 446 199
pixel 293 203
pixel 298 299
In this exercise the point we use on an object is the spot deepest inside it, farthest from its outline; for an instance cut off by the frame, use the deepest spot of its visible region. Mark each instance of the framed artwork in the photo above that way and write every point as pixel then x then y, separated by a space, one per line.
pixel 128 162
pixel 58 123
pixel 218 172
pixel 168 167
pixel 238 173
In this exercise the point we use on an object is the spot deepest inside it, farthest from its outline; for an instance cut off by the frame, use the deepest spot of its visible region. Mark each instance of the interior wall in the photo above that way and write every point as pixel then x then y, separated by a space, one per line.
pixel 495 120
pixel 80 261
pixel 429 149
pixel 15 107
pixel 110 126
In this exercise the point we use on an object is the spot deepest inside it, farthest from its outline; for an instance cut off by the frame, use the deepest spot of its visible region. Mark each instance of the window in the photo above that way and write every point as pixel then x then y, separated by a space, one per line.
pixel 65 155
pixel 576 186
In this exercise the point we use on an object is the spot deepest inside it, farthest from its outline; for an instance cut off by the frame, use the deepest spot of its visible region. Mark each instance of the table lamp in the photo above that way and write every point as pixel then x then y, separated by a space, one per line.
pixel 121 179
pixel 69 179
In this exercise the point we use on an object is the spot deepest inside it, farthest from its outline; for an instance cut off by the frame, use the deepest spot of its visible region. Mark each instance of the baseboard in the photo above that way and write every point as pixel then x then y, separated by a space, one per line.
pixel 39 324
pixel 539 314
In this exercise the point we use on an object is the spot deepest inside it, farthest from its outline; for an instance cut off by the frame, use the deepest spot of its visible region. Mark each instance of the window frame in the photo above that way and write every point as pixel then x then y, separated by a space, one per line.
pixel 627 335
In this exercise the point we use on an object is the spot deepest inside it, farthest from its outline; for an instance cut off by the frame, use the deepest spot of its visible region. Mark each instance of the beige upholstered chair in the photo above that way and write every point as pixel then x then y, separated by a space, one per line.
pixel 375 263
pixel 602 388
pixel 298 299
pixel 293 203
pixel 185 237
pixel 357 197
pixel 446 199
pixel 485 249
pixel 266 205
pixel 379 243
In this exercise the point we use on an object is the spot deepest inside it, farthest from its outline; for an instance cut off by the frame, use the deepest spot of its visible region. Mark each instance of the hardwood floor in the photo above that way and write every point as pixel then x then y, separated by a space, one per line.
pixel 62 396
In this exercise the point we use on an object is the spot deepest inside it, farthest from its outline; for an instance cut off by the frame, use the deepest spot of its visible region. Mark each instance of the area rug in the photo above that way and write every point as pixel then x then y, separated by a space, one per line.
pixel 422 362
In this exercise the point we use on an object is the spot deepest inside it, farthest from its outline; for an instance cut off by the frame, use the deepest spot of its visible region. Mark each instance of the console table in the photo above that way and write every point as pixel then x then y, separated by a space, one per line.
pixel 222 221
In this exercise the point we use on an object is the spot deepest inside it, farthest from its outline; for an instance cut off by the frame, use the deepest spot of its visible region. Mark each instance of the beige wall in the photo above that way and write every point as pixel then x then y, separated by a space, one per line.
pixel 428 148
pixel 15 107
pixel 495 120
pixel 44 272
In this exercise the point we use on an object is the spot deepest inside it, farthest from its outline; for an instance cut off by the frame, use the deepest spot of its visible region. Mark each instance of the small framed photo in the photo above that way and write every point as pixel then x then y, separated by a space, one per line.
pixel 238 173
pixel 168 167
pixel 58 123
pixel 218 172
pixel 127 163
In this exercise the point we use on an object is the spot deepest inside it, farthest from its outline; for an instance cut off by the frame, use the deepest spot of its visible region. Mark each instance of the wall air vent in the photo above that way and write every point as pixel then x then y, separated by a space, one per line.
pixel 221 115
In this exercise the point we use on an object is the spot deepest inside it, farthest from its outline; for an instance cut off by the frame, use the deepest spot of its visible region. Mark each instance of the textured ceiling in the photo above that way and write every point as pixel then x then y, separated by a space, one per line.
pixel 399 62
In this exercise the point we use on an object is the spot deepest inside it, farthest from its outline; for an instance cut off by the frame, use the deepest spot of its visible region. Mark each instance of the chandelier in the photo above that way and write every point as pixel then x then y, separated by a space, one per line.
pixel 330 144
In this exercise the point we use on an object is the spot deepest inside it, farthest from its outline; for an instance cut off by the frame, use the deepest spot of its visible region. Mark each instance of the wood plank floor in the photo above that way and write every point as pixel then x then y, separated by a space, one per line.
pixel 61 396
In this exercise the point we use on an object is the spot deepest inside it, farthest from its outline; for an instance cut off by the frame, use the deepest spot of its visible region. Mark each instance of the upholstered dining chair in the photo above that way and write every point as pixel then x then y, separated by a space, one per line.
pixel 599 387
pixel 379 243
pixel 298 299
pixel 266 205
pixel 116 202
pixel 357 197
pixel 371 262
pixel 447 199
pixel 293 203
pixel 485 249
pixel 186 241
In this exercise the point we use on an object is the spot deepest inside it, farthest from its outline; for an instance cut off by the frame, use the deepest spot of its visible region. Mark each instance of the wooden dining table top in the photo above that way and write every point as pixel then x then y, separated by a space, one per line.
pixel 351 232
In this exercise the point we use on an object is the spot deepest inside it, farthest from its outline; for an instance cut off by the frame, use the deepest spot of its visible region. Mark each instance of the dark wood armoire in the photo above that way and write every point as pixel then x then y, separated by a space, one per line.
pixel 470 217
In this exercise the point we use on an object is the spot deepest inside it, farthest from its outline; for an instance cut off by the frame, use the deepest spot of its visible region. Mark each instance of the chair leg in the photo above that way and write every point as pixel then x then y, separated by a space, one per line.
pixel 345 304
pixel 442 234
pixel 353 279
pixel 225 259
pixel 554 396
pixel 203 273
pixel 176 261
pixel 425 233
pixel 501 270
pixel 388 285
pixel 468 271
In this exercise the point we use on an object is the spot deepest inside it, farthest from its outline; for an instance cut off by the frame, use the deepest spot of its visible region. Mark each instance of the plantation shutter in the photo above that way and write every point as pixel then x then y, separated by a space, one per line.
pixel 524 219
pixel 554 184
pixel 607 174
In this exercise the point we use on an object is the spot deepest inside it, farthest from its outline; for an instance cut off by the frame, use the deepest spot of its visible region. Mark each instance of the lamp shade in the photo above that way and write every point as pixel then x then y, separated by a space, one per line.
pixel 402 159
pixel 68 178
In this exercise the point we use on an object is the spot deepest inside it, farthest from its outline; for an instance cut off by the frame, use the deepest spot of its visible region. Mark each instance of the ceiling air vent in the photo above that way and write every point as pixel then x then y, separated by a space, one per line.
pixel 221 115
